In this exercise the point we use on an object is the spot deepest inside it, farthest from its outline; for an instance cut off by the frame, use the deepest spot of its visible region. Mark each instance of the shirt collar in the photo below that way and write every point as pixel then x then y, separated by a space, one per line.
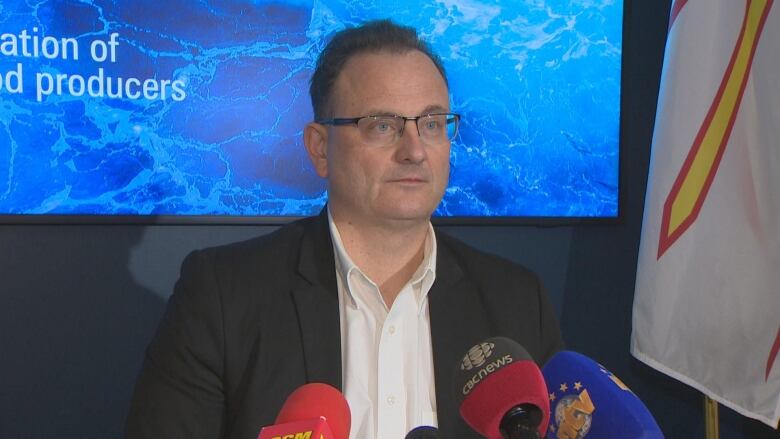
pixel 425 273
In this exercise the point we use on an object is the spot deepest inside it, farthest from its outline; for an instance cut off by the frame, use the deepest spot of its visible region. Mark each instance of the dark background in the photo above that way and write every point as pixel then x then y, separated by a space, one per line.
pixel 78 304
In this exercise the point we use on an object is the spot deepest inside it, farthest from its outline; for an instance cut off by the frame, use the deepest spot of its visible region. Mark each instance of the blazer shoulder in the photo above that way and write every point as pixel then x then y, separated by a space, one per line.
pixel 269 260
pixel 273 246
pixel 485 265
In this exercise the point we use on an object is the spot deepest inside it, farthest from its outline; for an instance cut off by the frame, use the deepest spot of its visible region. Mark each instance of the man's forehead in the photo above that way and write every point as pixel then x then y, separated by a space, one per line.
pixel 385 61
pixel 375 81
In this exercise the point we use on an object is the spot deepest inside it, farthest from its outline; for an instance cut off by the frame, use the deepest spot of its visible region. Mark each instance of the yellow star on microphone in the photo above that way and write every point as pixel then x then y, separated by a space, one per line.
pixel 577 385
pixel 564 387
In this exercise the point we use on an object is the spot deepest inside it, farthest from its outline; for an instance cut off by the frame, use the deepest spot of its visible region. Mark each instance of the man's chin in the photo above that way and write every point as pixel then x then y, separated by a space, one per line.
pixel 407 208
pixel 409 215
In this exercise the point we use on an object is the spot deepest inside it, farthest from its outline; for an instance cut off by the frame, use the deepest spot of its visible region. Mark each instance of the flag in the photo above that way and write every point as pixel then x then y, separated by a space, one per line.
pixel 707 301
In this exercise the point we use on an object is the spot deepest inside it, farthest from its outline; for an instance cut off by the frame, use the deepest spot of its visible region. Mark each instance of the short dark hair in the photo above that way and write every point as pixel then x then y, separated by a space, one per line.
pixel 370 37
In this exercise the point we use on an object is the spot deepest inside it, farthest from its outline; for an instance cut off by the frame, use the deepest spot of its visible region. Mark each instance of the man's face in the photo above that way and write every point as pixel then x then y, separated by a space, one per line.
pixel 388 185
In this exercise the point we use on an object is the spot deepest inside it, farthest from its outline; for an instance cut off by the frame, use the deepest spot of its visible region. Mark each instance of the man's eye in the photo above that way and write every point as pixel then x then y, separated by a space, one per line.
pixel 382 127
pixel 432 125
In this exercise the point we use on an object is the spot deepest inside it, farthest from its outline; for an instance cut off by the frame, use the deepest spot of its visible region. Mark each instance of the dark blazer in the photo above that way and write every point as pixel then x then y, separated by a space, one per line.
pixel 250 322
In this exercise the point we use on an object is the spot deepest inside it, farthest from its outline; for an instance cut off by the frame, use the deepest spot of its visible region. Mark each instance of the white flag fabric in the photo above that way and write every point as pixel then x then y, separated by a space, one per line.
pixel 707 301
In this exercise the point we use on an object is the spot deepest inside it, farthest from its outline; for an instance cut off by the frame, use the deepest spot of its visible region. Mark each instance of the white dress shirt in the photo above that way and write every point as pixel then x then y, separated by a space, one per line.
pixel 386 358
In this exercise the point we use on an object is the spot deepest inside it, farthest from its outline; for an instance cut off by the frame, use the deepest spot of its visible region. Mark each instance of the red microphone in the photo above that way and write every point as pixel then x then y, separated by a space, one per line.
pixel 501 391
pixel 314 410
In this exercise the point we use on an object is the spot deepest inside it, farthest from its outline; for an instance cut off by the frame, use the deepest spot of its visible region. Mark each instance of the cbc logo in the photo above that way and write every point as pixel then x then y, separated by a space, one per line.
pixel 477 356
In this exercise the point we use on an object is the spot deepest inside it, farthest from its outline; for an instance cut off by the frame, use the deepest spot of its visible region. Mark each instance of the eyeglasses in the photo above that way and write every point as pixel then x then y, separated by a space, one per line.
pixel 384 130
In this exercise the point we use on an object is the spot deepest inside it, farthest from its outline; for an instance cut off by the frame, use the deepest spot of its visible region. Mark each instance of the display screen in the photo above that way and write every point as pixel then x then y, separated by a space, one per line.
pixel 182 109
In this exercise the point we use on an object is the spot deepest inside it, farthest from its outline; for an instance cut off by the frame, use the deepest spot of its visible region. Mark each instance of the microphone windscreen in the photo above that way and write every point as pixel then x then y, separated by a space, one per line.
pixel 313 400
pixel 493 377
pixel 423 432
pixel 588 401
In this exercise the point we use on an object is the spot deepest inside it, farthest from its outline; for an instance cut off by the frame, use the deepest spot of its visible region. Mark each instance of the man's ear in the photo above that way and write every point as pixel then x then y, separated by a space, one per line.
pixel 315 138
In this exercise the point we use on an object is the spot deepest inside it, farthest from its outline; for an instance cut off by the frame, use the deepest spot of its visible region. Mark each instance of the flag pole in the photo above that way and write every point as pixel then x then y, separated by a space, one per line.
pixel 710 418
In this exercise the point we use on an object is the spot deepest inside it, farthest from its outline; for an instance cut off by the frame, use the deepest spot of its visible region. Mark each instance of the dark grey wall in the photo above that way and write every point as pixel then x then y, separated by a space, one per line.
pixel 78 304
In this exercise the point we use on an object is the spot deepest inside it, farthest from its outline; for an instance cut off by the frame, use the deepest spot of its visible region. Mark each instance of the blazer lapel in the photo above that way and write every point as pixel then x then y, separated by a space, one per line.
pixel 458 322
pixel 316 299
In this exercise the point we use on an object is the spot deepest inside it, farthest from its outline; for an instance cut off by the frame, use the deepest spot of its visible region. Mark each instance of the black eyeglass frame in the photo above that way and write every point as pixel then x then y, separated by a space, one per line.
pixel 341 121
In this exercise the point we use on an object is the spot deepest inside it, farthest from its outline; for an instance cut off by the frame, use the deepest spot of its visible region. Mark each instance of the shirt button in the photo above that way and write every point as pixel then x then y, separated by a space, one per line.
pixel 391 400
pixel 391 329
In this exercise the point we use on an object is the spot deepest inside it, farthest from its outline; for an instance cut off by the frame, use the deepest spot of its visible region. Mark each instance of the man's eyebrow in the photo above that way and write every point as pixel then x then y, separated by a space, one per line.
pixel 376 112
pixel 427 110
pixel 434 109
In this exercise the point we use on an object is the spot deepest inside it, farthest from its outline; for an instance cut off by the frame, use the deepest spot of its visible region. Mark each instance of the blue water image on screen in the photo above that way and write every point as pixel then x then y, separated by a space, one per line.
pixel 140 107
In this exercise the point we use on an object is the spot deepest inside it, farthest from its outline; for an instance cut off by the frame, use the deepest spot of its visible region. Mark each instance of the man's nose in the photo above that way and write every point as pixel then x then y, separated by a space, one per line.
pixel 410 146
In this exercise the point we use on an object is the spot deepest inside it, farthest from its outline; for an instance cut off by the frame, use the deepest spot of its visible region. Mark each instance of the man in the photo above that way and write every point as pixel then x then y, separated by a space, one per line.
pixel 366 297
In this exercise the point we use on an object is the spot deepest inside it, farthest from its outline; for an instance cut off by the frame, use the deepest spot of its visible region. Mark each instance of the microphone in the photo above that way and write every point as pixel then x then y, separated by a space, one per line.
pixel 315 410
pixel 588 401
pixel 501 391
pixel 423 432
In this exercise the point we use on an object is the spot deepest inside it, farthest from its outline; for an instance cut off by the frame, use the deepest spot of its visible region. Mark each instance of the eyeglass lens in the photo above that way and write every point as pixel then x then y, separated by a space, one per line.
pixel 384 130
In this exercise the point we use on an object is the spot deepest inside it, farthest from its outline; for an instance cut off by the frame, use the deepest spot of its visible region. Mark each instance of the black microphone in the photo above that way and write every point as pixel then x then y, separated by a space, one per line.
pixel 423 432
pixel 501 391
pixel 521 422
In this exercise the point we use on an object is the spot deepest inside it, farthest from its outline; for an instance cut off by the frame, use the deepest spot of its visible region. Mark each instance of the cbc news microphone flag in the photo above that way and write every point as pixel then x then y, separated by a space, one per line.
pixel 707 302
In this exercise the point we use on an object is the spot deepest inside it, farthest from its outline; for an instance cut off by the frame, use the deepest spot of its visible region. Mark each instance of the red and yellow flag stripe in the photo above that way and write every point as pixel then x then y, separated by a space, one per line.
pixel 684 201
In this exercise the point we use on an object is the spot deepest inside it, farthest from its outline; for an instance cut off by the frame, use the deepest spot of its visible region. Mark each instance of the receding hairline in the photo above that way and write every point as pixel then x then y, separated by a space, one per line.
pixel 380 51
pixel 377 36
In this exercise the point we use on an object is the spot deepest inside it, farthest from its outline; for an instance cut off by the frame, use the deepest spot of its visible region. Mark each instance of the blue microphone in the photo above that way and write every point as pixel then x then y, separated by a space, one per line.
pixel 587 401
pixel 423 432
